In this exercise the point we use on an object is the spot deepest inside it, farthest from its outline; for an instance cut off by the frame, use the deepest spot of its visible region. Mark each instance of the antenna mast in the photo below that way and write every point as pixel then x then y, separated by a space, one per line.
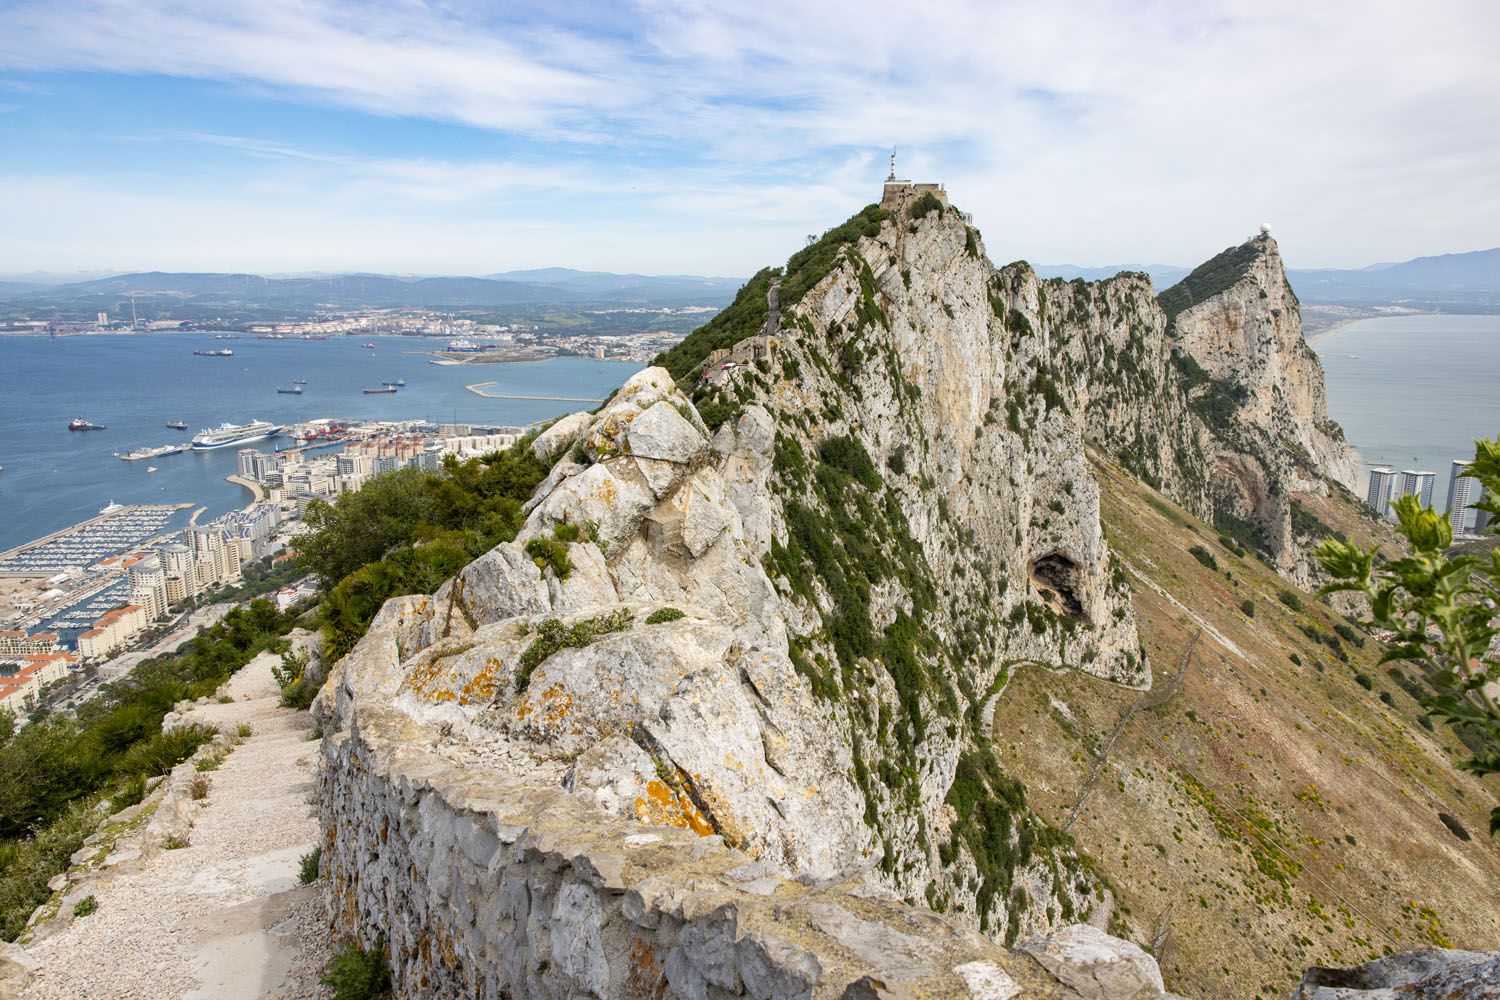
pixel 893 164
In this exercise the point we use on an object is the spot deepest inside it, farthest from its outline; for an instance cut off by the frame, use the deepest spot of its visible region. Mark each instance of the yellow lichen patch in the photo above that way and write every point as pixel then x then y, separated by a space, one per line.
pixel 663 805
pixel 605 492
pixel 482 686
pixel 552 706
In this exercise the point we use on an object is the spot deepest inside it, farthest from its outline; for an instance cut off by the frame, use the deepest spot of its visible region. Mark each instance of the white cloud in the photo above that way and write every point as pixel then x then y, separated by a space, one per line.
pixel 1105 132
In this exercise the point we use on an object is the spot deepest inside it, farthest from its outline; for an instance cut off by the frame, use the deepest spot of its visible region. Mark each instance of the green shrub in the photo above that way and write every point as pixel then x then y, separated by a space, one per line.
pixel 55 772
pixel 927 203
pixel 849 455
pixel 1248 607
pixel 1291 600
pixel 552 553
pixel 85 906
pixel 1364 681
pixel 244 730
pixel 356 973
pixel 661 615
pixel 308 865
pixel 407 532
pixel 552 637
pixel 165 751
pixel 1350 636
pixel 1204 556
pixel 174 843
pixel 130 791
pixel 1208 279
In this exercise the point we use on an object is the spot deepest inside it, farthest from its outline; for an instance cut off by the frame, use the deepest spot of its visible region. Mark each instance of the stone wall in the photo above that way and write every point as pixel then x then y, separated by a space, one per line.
pixel 482 883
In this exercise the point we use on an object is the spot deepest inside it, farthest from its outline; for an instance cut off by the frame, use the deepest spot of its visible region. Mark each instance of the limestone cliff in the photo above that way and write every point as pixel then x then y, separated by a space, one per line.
pixel 772 592
pixel 1209 392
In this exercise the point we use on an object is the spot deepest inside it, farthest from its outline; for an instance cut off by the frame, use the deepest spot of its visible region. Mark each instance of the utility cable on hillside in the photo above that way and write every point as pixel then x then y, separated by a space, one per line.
pixel 1153 698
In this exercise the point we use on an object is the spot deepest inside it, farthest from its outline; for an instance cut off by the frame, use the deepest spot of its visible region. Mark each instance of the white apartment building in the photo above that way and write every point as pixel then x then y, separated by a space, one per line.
pixel 113 630
pixel 1463 493
pixel 1379 493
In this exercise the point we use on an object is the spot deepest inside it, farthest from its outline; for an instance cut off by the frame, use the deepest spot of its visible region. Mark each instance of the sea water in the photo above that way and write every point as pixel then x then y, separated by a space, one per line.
pixel 1414 392
pixel 136 384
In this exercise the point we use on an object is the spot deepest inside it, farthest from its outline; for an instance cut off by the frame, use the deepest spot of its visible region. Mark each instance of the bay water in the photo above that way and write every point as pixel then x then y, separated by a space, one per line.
pixel 135 384
pixel 1414 392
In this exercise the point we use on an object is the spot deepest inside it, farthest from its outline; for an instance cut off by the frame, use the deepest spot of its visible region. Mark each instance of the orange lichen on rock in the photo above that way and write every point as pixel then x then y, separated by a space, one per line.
pixel 663 805
pixel 644 977
pixel 482 686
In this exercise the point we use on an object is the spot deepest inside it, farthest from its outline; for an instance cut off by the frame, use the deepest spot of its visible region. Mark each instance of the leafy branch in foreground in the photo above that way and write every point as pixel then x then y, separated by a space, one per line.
pixel 1441 611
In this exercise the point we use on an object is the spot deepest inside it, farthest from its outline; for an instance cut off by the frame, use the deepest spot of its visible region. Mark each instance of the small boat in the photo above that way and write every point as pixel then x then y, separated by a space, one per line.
pixel 384 388
pixel 150 468
pixel 222 352
pixel 177 425
pixel 295 390
pixel 368 347
pixel 80 424
pixel 299 381
pixel 399 381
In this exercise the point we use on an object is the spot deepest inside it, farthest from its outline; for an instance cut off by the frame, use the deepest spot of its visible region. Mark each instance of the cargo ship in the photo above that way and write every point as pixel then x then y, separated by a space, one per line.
pixel 228 434
pixel 222 352
pixel 384 388
pixel 177 425
pixel 295 390
pixel 399 381
pixel 80 424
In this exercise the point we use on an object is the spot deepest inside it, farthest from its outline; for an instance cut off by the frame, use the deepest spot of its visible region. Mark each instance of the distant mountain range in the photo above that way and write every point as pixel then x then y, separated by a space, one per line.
pixel 206 291
pixel 1453 282
pixel 1457 282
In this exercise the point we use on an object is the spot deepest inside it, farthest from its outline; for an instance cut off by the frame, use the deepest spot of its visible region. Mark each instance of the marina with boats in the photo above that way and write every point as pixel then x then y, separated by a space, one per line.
pixel 117 528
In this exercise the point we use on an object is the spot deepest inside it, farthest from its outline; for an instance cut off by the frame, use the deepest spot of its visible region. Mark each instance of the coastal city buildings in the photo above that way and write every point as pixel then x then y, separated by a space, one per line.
pixel 89 592
pixel 1411 483
pixel 1463 493
pixel 1382 483
pixel 15 643
pixel 1387 485
pixel 112 631
pixel 23 678
pixel 291 480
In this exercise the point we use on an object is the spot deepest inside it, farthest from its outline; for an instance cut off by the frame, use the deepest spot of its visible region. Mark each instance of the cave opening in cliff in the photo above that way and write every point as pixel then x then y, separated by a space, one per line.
pixel 1058 580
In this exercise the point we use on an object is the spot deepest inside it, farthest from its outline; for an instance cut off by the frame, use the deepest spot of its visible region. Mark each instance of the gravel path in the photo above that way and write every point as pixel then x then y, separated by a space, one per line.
pixel 224 918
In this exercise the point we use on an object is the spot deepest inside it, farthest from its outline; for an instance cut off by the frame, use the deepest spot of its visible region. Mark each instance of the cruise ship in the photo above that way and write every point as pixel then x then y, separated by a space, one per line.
pixel 230 434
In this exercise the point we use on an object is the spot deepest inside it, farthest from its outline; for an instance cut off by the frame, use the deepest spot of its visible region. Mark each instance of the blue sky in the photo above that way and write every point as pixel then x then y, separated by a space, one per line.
pixel 710 136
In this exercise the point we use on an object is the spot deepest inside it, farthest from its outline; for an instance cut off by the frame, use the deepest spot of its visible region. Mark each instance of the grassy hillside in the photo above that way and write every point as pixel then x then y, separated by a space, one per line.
pixel 1281 804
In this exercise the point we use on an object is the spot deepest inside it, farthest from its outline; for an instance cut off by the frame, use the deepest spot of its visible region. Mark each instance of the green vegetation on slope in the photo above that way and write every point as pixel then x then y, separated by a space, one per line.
pixel 740 319
pixel 56 770
pixel 1209 279
pixel 747 313
pixel 1441 611
pixel 408 531
pixel 1273 802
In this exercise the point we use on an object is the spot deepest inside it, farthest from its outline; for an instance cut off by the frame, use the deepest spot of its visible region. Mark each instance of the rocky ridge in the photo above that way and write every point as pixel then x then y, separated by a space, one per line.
pixel 779 613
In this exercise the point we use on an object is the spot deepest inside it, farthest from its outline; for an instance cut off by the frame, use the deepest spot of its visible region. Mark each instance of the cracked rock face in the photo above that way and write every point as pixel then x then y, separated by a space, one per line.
pixel 1425 974
pixel 699 721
